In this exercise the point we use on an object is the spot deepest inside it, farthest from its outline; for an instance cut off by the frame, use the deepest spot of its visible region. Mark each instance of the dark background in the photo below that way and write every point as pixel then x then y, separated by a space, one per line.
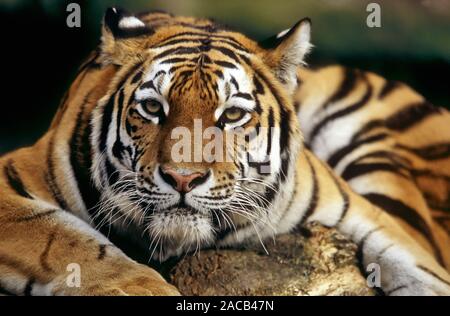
pixel 40 54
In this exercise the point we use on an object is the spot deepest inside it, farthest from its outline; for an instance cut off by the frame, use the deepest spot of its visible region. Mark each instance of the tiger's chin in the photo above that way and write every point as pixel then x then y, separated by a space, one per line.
pixel 178 231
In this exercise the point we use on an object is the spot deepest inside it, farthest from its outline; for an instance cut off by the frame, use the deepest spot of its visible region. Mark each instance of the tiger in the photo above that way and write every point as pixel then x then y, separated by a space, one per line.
pixel 334 146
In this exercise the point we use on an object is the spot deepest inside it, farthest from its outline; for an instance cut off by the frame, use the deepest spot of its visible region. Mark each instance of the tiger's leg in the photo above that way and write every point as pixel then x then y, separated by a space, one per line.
pixel 391 186
pixel 406 268
pixel 40 243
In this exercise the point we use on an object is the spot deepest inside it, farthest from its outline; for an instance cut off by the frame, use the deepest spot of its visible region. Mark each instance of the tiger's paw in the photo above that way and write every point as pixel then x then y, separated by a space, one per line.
pixel 140 286
pixel 419 281
pixel 130 279
pixel 137 286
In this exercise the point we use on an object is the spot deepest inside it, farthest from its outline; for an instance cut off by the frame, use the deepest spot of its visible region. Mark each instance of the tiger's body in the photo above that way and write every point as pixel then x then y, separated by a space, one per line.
pixel 387 142
pixel 106 162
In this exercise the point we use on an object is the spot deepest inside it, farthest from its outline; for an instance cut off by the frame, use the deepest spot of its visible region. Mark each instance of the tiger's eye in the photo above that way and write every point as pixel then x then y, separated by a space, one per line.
pixel 233 114
pixel 152 106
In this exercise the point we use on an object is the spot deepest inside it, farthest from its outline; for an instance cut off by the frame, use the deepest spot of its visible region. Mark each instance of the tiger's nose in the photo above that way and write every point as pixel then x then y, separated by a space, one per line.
pixel 182 182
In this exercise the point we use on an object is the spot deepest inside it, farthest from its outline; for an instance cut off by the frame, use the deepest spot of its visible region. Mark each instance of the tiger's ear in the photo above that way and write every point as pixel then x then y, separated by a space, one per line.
pixel 285 51
pixel 122 36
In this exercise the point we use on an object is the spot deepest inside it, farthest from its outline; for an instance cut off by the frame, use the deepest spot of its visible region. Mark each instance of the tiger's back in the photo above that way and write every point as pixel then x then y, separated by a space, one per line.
pixel 386 141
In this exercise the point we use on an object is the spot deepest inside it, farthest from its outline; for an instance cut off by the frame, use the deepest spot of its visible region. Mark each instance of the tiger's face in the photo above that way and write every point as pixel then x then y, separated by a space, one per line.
pixel 198 132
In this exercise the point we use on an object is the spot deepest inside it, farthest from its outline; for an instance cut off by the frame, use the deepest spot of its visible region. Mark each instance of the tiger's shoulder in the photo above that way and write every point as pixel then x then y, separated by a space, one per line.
pixel 372 130
pixel 337 92
pixel 335 82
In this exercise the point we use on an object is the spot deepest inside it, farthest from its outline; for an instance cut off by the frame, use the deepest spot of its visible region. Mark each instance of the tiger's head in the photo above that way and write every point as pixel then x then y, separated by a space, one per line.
pixel 196 140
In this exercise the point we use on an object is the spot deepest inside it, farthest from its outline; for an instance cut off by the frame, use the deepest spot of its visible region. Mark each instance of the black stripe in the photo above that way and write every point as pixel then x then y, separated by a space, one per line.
pixel 409 215
pixel 35 216
pixel 293 195
pixel 393 157
pixel 227 52
pixel 396 164
pixel 118 146
pixel 90 61
pixel 222 38
pixel 270 125
pixel 106 121
pixel 360 250
pixel 148 85
pixel 234 82
pixel 109 108
pixel 225 64
pixel 411 115
pixel 44 255
pixel 285 127
pixel 81 159
pixel 337 156
pixel 338 114
pixel 184 40
pixel 348 83
pixel 382 252
pixel 181 50
pixel 399 209
pixel 368 127
pixel 221 234
pixel 51 179
pixel 355 170
pixel 258 90
pixel 272 191
pixel 61 109
pixel 344 196
pixel 137 77
pixel 430 152
pixel 430 174
pixel 282 177
pixel 14 180
pixel 101 251
pixel 218 73
pixel 176 60
pixel 425 269
pixel 388 87
pixel 401 120
pixel 207 39
pixel 179 81
pixel 243 96
pixel 400 287
pixel 28 287
pixel 284 171
pixel 111 175
pixel 252 163
pixel 314 199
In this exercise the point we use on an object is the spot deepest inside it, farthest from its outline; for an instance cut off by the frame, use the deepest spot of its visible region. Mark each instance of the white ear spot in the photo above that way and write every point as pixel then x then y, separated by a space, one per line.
pixel 305 33
pixel 283 33
pixel 130 22
pixel 300 45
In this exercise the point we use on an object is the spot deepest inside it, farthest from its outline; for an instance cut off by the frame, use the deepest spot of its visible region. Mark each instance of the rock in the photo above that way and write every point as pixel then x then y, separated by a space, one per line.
pixel 313 261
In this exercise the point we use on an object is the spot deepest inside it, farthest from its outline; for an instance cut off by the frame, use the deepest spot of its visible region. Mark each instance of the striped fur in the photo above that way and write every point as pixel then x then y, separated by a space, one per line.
pixel 387 142
pixel 98 172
